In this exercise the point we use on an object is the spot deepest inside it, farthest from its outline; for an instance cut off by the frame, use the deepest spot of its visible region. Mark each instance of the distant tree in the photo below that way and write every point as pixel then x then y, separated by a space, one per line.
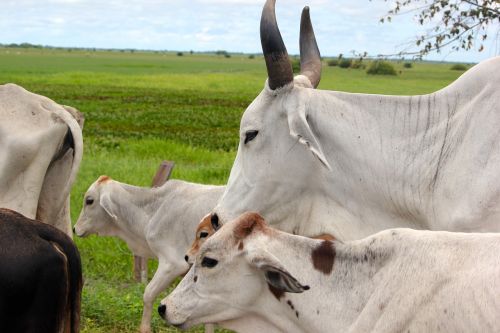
pixel 459 24
pixel 180 54
pixel 251 56
pixel 458 67
pixel 221 52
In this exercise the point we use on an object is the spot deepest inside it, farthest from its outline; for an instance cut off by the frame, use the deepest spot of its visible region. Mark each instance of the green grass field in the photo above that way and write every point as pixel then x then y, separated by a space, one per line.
pixel 142 108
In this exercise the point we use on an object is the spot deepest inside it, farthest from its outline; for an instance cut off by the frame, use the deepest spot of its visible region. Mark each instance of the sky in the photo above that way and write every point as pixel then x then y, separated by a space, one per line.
pixel 341 26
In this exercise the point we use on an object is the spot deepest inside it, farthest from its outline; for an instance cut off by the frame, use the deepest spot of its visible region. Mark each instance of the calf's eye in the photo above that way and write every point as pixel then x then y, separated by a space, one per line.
pixel 250 135
pixel 203 234
pixel 208 262
pixel 89 201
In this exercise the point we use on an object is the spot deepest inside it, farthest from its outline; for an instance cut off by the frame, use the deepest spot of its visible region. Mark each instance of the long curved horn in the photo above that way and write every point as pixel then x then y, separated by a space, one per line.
pixel 279 69
pixel 310 59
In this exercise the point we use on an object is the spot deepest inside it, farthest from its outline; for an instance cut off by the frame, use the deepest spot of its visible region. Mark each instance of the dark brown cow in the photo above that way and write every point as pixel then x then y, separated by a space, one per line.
pixel 40 277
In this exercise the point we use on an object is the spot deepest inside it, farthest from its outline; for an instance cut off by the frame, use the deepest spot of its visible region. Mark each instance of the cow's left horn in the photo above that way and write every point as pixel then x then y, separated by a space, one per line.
pixel 310 59
pixel 279 69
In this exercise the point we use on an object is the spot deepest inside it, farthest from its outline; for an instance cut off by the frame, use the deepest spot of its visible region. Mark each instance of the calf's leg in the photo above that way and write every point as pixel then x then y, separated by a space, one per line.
pixel 164 275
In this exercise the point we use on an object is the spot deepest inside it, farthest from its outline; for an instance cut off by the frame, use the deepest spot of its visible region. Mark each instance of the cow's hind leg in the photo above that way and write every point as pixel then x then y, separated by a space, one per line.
pixel 48 310
pixel 164 275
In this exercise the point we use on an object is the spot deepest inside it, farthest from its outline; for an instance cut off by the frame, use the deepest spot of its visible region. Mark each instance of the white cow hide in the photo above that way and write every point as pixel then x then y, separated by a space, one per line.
pixel 41 149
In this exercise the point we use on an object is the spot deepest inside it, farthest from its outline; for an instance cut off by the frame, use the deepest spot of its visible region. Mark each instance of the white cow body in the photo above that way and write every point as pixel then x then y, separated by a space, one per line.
pixel 354 164
pixel 154 222
pixel 41 149
pixel 398 280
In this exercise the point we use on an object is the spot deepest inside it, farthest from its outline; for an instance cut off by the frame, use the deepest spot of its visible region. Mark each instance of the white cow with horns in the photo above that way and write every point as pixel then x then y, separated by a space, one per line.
pixel 398 280
pixel 41 148
pixel 326 162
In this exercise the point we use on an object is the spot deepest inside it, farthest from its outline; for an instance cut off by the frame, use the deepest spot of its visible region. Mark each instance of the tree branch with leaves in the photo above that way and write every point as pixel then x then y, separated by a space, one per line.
pixel 460 24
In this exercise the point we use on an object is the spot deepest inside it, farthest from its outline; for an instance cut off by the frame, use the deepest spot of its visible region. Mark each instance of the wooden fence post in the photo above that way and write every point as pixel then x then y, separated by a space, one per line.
pixel 160 178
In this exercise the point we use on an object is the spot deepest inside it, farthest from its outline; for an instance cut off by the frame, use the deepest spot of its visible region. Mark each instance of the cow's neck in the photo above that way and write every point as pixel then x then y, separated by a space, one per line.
pixel 386 154
pixel 136 207
pixel 335 299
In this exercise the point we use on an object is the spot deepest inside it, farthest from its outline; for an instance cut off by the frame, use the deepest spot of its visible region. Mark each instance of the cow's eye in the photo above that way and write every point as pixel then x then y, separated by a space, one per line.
pixel 209 262
pixel 203 234
pixel 89 201
pixel 250 135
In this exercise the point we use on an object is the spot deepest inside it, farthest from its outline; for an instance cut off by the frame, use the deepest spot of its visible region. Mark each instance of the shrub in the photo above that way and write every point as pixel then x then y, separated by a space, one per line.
pixel 227 55
pixel 458 67
pixel 379 67
pixel 345 63
pixel 295 65
pixel 251 56
pixel 408 65
pixel 358 64
pixel 180 54
pixel 332 62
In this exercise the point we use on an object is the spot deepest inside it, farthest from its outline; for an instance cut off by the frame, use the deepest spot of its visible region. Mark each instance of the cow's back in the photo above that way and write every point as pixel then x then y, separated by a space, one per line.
pixel 433 281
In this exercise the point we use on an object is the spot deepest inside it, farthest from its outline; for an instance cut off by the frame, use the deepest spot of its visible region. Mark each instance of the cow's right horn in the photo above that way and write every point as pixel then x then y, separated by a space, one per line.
pixel 279 69
pixel 310 58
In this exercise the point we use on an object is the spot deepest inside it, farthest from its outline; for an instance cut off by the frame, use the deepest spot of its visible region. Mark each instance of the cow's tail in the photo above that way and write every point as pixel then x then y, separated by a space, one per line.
pixel 74 269
pixel 74 138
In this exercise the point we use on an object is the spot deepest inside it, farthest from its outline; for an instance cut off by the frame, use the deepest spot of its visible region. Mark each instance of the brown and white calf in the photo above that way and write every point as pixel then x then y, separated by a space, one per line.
pixel 248 324
pixel 154 222
pixel 394 281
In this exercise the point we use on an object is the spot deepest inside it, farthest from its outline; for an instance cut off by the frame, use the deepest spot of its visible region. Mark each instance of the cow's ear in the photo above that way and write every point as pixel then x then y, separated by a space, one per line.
pixel 276 275
pixel 108 205
pixel 301 129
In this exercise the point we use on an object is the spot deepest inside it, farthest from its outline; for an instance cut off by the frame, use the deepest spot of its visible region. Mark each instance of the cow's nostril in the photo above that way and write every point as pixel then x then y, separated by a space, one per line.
pixel 162 308
pixel 74 231
pixel 186 258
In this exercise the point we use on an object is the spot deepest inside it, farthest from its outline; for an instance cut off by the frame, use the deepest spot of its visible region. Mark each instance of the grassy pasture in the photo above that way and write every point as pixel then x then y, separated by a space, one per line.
pixel 141 108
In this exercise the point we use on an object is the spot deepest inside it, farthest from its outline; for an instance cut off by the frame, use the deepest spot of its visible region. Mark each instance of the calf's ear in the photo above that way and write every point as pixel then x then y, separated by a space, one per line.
pixel 276 275
pixel 108 205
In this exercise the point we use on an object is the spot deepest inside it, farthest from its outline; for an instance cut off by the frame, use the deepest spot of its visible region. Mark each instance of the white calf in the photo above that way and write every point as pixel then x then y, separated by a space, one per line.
pixel 154 222
pixel 399 280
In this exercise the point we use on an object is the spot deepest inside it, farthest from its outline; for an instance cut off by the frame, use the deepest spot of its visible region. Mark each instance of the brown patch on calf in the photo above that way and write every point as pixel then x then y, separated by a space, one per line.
pixel 323 257
pixel 103 179
pixel 240 246
pixel 247 223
